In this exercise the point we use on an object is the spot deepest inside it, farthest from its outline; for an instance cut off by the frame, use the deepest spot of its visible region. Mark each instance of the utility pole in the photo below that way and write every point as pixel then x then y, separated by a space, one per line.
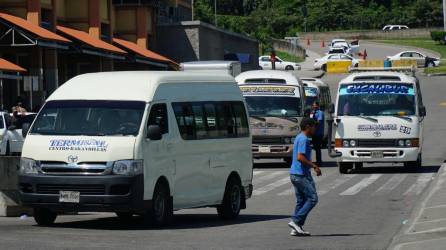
pixel 192 9
pixel 444 15
pixel 215 12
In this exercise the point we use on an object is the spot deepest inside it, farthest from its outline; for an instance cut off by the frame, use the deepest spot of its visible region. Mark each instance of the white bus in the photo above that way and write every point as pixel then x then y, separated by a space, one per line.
pixel 139 143
pixel 276 106
pixel 378 118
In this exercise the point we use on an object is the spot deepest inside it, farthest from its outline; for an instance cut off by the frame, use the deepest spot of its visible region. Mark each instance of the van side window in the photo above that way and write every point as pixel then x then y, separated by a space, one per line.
pixel 211 120
pixel 158 116
pixel 185 120
pixel 241 121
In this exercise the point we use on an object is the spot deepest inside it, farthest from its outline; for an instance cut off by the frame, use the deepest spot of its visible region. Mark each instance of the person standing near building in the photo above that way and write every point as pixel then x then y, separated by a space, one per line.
pixel 318 115
pixel 300 175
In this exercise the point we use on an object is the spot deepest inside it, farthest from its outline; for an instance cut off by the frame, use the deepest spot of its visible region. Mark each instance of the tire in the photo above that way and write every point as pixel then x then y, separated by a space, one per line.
pixel 289 68
pixel 414 164
pixel 430 65
pixel 44 217
pixel 324 68
pixel 161 211
pixel 344 167
pixel 124 216
pixel 356 65
pixel 359 166
pixel 232 200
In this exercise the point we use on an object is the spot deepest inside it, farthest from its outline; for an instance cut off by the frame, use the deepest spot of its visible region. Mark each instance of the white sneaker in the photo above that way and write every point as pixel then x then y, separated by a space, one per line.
pixel 297 230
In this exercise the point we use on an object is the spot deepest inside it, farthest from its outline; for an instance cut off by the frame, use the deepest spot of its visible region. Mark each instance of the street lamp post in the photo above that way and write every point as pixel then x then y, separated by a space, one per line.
pixel 444 15
pixel 215 12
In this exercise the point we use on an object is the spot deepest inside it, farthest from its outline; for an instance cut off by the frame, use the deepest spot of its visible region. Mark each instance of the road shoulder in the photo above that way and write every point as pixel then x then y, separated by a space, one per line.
pixel 426 227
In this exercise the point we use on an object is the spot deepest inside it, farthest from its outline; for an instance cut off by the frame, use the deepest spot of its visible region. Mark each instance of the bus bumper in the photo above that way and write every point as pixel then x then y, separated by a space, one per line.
pixel 371 155
pixel 272 151
pixel 108 193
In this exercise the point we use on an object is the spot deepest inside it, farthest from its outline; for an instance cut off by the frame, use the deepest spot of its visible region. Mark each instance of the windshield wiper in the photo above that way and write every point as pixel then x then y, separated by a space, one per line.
pixel 368 118
pixel 258 118
pixel 407 118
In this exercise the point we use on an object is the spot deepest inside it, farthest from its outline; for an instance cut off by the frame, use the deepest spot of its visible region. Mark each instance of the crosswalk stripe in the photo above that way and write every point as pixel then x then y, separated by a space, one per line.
pixel 258 172
pixel 391 184
pixel 290 190
pixel 336 183
pixel 419 185
pixel 268 176
pixel 271 186
pixel 361 185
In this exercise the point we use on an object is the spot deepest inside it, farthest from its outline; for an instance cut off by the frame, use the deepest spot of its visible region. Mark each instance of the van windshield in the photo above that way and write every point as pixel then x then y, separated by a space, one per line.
pixel 376 100
pixel 90 118
pixel 275 106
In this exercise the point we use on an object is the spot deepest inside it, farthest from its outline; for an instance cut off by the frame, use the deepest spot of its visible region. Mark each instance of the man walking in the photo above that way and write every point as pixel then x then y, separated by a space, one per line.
pixel 300 174
pixel 318 116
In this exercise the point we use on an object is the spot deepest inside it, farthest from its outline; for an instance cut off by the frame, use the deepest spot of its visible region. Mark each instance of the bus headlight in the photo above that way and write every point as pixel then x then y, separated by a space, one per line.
pixel 401 143
pixel 128 167
pixel 28 166
pixel 352 143
pixel 346 144
pixel 287 140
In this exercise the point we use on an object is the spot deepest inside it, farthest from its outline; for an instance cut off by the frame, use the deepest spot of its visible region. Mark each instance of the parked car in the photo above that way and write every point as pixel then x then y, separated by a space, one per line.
pixel 321 63
pixel 11 138
pixel 265 63
pixel 422 60
pixel 395 27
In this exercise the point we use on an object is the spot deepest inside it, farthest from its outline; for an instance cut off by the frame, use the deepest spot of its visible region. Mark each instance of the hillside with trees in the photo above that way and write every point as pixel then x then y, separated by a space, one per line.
pixel 263 19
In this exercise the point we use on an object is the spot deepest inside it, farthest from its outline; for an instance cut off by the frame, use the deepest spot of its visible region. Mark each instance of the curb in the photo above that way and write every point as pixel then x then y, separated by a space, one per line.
pixel 435 74
pixel 396 243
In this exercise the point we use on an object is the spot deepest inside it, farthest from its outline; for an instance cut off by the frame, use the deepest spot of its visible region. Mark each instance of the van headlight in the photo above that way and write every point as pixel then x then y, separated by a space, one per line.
pixel 28 166
pixel 352 143
pixel 408 143
pixel 401 143
pixel 128 167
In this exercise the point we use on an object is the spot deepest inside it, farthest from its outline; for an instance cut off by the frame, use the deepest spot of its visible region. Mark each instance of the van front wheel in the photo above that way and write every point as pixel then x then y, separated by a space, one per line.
pixel 344 167
pixel 232 200
pixel 44 217
pixel 161 211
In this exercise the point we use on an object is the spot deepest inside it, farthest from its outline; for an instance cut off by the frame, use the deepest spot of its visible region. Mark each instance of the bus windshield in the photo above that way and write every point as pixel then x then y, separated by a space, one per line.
pixel 91 118
pixel 274 106
pixel 376 100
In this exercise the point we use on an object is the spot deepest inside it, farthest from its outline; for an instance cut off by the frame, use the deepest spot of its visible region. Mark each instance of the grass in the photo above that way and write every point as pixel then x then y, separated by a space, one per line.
pixel 288 57
pixel 440 69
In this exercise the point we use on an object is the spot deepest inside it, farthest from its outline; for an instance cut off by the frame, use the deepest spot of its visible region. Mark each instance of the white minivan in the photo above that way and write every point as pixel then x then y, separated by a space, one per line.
pixel 139 143
pixel 378 118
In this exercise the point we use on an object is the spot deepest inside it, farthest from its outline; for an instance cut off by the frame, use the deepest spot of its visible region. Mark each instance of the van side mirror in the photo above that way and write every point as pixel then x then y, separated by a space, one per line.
pixel 154 133
pixel 331 109
pixel 423 111
pixel 25 129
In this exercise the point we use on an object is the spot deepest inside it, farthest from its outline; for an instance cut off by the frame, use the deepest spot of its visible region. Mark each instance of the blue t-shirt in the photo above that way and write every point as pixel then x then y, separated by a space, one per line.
pixel 301 146
pixel 319 117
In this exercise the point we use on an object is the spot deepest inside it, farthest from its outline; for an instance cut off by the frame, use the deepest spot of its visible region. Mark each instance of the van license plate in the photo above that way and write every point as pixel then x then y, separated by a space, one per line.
pixel 264 149
pixel 69 196
pixel 377 154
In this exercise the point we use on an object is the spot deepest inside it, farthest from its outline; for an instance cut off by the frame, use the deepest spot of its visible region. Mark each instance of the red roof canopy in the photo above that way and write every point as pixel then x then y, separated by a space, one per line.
pixel 9 66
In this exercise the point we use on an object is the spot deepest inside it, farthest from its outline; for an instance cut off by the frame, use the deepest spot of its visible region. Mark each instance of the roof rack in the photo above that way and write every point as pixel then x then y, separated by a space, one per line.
pixel 407 70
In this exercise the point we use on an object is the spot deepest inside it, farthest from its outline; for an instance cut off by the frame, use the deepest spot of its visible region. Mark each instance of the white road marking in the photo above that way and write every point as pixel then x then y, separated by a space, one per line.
pixel 391 184
pixel 436 206
pixel 258 172
pixel 361 185
pixel 316 179
pixel 269 176
pixel 336 183
pixel 272 186
pixel 419 185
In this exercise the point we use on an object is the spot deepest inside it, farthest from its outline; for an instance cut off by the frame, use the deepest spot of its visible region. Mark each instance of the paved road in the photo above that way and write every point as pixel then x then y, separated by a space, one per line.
pixel 362 210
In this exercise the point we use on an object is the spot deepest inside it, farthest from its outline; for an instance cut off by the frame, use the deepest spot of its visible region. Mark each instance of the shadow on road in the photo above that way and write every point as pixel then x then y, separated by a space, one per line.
pixel 181 221
pixel 338 235
pixel 395 170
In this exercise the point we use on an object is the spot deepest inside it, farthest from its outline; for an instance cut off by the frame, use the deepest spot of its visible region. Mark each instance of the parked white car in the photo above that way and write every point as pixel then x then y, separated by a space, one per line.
pixel 265 63
pixel 11 138
pixel 395 27
pixel 422 60
pixel 321 63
